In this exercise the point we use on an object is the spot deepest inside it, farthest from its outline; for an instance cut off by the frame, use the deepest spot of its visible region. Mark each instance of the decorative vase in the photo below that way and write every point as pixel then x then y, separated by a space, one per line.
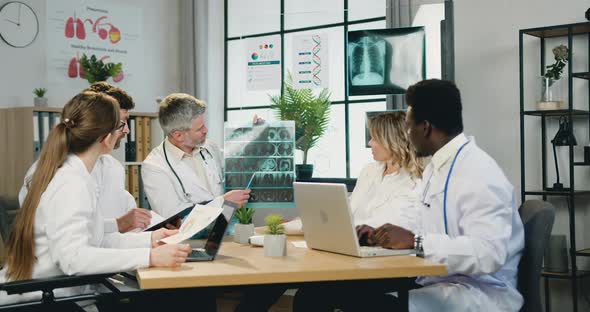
pixel 551 94
pixel 41 101
pixel 242 233
pixel 275 245
pixel 304 172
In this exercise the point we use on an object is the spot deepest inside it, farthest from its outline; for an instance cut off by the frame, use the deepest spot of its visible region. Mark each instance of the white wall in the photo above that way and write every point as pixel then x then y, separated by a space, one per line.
pixel 487 73
pixel 214 75
pixel 22 70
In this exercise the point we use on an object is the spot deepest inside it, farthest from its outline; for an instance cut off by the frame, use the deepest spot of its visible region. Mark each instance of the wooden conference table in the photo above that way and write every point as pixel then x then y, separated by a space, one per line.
pixel 240 265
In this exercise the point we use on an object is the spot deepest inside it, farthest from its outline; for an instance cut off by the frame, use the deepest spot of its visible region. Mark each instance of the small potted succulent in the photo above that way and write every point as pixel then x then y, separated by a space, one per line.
pixel 275 240
pixel 244 228
pixel 40 100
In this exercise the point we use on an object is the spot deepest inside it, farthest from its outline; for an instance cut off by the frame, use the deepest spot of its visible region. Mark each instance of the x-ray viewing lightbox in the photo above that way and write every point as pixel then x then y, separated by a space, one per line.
pixel 385 61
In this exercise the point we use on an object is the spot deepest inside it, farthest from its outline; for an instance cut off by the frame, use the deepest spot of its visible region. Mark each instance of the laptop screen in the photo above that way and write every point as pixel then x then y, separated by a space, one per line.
pixel 218 231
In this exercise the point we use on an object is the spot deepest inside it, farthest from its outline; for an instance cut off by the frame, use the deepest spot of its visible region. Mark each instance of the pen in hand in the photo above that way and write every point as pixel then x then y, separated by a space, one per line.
pixel 250 182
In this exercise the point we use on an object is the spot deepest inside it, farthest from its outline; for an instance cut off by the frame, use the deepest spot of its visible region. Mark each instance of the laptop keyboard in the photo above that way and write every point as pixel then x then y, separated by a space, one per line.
pixel 198 254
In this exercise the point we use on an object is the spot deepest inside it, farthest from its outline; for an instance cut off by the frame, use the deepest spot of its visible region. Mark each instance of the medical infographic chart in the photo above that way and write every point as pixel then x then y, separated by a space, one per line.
pixel 263 59
pixel 107 29
pixel 262 156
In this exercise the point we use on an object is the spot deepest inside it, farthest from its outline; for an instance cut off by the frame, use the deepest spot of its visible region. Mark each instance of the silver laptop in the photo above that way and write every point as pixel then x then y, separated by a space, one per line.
pixel 328 223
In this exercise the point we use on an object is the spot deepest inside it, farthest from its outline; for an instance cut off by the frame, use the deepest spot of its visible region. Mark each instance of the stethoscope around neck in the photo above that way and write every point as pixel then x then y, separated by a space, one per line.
pixel 446 190
pixel 186 195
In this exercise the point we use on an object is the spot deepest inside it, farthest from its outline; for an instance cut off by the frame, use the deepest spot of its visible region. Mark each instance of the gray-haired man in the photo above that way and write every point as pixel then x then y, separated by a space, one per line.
pixel 186 168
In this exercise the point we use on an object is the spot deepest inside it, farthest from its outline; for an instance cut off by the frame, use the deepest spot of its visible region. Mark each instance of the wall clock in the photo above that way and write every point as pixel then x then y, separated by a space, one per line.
pixel 19 25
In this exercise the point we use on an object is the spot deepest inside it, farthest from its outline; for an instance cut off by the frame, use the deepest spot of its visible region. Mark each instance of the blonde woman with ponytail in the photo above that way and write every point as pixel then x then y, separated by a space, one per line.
pixel 59 230
pixel 384 191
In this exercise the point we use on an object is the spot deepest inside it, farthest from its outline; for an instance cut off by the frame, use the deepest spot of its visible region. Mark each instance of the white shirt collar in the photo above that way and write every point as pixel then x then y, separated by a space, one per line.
pixel 448 150
pixel 176 152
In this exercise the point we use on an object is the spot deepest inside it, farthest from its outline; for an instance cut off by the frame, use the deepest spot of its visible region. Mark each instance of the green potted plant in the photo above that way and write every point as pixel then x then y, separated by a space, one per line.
pixel 275 240
pixel 40 99
pixel 311 114
pixel 551 82
pixel 97 70
pixel 244 228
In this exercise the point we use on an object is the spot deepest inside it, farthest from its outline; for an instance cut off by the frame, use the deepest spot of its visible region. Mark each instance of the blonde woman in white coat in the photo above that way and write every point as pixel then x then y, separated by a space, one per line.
pixel 58 230
pixel 385 188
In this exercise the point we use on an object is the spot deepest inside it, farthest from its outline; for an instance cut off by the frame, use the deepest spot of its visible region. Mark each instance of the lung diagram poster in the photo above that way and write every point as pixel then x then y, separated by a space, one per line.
pixel 106 29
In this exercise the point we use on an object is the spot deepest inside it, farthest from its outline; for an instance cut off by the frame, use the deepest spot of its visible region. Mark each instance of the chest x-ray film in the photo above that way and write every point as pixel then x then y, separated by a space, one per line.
pixel 263 157
pixel 385 61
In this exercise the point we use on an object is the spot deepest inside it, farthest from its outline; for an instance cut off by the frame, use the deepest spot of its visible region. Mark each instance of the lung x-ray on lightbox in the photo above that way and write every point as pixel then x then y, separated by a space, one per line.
pixel 385 61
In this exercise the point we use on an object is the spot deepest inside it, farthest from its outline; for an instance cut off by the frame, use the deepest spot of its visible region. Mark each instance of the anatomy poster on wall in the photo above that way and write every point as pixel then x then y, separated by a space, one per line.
pixel 310 61
pixel 263 63
pixel 109 30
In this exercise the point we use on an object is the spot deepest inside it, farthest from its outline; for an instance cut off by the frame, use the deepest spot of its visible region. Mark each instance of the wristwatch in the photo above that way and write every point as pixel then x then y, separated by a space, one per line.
pixel 418 244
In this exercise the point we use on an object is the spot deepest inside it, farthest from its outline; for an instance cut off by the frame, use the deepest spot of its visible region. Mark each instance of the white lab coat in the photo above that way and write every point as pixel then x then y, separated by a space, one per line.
pixel 69 233
pixel 485 240
pixel 113 202
pixel 392 197
pixel 163 189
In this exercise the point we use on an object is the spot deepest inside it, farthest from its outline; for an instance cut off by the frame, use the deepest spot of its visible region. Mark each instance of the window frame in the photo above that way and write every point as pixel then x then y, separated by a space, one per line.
pixel 391 102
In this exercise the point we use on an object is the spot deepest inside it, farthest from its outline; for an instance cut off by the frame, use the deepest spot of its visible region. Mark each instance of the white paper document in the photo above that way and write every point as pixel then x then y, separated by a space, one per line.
pixel 199 218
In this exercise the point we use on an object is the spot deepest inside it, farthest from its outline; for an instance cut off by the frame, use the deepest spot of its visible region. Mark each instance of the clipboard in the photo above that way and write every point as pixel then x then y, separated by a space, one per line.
pixel 171 220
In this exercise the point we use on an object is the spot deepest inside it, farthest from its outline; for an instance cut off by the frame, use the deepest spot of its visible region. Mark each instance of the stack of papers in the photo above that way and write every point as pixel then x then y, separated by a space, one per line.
pixel 199 218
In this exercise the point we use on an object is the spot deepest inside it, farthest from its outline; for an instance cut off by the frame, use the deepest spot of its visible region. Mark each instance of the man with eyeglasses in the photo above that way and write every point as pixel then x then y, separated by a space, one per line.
pixel 117 206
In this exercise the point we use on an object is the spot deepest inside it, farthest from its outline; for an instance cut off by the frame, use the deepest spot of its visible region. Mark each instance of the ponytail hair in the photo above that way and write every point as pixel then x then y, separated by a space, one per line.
pixel 86 119
pixel 389 130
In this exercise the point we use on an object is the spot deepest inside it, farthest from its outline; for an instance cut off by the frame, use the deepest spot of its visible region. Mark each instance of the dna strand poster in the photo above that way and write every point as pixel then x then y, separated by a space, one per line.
pixel 310 61
pixel 107 29
pixel 261 158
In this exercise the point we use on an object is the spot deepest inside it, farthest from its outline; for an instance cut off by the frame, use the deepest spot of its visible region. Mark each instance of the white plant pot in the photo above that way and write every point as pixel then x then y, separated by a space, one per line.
pixel 275 245
pixel 41 101
pixel 242 233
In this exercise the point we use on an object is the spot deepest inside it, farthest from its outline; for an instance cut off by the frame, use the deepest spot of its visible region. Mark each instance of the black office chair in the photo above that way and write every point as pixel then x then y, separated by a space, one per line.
pixel 537 217
pixel 8 210
pixel 48 301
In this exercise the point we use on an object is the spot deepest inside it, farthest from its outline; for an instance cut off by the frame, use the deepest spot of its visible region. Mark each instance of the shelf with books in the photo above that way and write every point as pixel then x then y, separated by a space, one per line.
pixel 24 130
pixel 20 125
pixel 132 163
pixel 144 134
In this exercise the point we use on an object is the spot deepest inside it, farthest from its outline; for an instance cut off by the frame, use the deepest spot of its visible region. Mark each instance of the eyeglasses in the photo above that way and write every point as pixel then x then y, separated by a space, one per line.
pixel 121 125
